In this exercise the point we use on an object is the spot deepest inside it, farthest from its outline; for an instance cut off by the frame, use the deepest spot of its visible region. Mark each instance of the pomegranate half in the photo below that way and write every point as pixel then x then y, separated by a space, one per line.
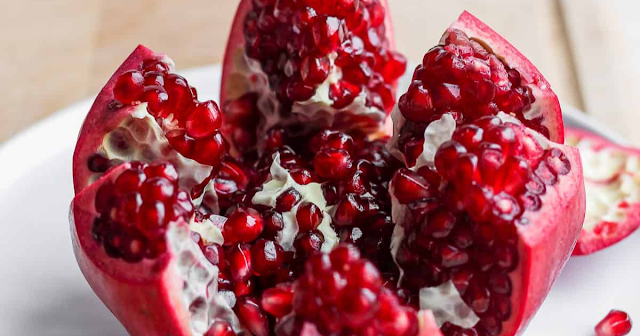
pixel 611 176
pixel 488 209
pixel 306 65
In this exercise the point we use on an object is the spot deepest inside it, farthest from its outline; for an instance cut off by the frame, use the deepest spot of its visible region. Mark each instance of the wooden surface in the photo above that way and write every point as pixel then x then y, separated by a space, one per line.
pixel 58 51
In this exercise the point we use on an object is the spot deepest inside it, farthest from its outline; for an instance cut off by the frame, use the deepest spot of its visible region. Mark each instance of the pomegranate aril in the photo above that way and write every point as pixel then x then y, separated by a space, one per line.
pixel 348 211
pixel 343 94
pixel 220 328
pixel 332 164
pixel 156 97
pixel 209 151
pixel 215 254
pixel 417 104
pixel 308 216
pixel 287 200
pixel 278 300
pixel 252 316
pixel 328 33
pixel 203 120
pixel 266 257
pixel 314 70
pixel 309 242
pixel 409 186
pixel 243 225
pixel 152 219
pixel 240 263
pixel 129 87
pixel 273 221
pixel 616 323
pixel 128 181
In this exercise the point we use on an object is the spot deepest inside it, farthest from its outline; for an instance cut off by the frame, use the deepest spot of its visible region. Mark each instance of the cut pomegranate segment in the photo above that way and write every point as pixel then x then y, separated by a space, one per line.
pixel 307 65
pixel 490 209
pixel 143 264
pixel 146 112
pixel 616 323
pixel 611 177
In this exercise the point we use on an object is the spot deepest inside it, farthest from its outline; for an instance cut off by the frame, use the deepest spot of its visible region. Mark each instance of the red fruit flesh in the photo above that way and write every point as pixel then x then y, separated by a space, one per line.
pixel 144 271
pixel 610 174
pixel 146 113
pixel 616 323
pixel 308 65
pixel 489 205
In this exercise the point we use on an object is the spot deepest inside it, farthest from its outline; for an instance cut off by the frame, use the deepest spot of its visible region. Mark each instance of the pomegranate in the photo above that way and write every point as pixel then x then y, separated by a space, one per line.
pixel 616 323
pixel 613 203
pixel 305 65
pixel 489 208
pixel 314 227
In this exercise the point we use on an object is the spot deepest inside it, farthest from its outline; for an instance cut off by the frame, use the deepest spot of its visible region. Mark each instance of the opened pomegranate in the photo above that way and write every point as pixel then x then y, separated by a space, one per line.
pixel 314 227
pixel 611 179
pixel 489 208
pixel 616 323
pixel 306 65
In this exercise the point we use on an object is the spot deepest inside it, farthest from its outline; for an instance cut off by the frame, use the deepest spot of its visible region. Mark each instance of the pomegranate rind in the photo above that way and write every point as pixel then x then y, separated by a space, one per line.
pixel 546 243
pixel 233 89
pixel 101 120
pixel 546 99
pixel 143 296
pixel 595 239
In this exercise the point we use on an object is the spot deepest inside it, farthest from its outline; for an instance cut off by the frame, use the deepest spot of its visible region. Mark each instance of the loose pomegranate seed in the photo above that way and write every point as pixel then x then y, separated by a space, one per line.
pixel 616 323
pixel 308 216
pixel 244 225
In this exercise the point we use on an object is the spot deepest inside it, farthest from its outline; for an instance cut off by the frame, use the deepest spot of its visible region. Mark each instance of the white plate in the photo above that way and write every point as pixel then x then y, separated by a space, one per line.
pixel 43 293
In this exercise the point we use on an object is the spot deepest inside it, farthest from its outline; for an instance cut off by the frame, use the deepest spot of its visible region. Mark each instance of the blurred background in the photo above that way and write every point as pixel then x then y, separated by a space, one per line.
pixel 58 51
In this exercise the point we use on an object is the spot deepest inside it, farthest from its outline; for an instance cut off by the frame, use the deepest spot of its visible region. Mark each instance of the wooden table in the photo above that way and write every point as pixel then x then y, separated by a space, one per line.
pixel 58 51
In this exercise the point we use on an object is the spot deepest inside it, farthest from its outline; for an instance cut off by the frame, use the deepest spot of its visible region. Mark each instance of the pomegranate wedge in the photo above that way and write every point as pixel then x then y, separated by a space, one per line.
pixel 612 180
pixel 489 208
pixel 306 65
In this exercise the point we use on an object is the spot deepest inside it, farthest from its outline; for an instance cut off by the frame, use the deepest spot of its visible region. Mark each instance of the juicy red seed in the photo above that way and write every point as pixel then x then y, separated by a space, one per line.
pixel 203 120
pixel 343 93
pixel 332 164
pixel 129 87
pixel 275 138
pixel 152 219
pixel 215 254
pixel 266 257
pixel 395 66
pixel 98 163
pixel 308 216
pixel 478 299
pixel 157 188
pixel 417 104
pixel 164 170
pixel 328 33
pixel 446 154
pixel 287 200
pixel 252 316
pixel 500 284
pixel 273 221
pixel 314 70
pixel 469 136
pixel 129 208
pixel 297 90
pixel 278 300
pixel 244 225
pixel 309 242
pixel 155 65
pixel 240 262
pixel 616 323
pixel 356 183
pixel 179 91
pixel 209 151
pixel 129 181
pixel 302 176
pixel 348 210
pixel 220 328
pixel 157 99
pixel 409 186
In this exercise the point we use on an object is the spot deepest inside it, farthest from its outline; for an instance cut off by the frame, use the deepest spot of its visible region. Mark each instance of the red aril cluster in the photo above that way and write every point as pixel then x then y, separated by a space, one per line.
pixel 616 323
pixel 343 294
pixel 192 127
pixel 461 222
pixel 136 209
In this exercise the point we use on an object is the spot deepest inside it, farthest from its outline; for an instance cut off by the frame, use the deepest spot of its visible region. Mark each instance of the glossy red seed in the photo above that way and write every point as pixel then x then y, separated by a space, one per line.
pixel 266 257
pixel 129 87
pixel 215 254
pixel 129 181
pixel 309 242
pixel 287 200
pixel 445 156
pixel 328 33
pixel 220 328
pixel 616 323
pixel 157 99
pixel 203 120
pixel 278 300
pixel 348 211
pixel 409 186
pixel 252 316
pixel 417 104
pixel 240 263
pixel 314 70
pixel 152 219
pixel 210 151
pixel 332 164
pixel 343 93
pixel 308 216
pixel 273 221
pixel 157 188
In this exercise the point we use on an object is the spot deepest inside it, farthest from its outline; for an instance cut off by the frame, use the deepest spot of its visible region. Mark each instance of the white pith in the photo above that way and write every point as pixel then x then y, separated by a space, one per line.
pixel 446 304
pixel 611 178
pixel 279 181
pixel 210 233
pixel 147 142
pixel 200 290
pixel 316 112
pixel 444 300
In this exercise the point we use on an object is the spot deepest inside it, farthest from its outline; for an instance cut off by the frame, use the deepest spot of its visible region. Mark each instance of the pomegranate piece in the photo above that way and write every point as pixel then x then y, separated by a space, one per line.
pixel 319 64
pixel 610 174
pixel 469 238
pixel 616 323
